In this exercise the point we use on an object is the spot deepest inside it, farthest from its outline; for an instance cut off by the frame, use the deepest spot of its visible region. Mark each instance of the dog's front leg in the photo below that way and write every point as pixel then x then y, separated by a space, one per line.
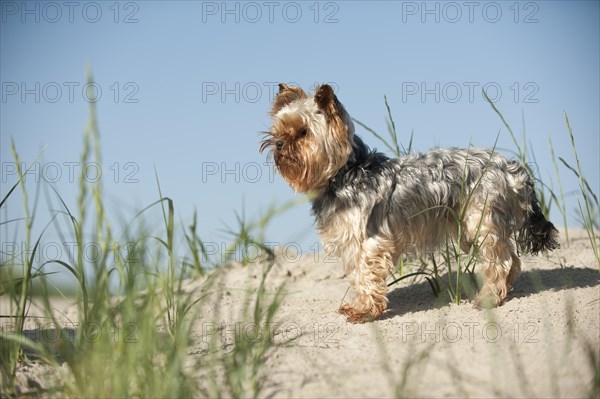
pixel 369 282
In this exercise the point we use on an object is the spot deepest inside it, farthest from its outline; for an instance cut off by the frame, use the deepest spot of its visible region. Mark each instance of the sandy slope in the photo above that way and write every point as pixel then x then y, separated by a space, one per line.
pixel 537 344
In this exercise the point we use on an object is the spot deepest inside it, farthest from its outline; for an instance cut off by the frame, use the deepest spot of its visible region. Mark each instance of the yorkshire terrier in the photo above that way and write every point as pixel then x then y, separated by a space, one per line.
pixel 373 208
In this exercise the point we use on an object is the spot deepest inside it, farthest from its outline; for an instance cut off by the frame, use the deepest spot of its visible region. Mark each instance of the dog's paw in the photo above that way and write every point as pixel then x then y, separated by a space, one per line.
pixel 356 317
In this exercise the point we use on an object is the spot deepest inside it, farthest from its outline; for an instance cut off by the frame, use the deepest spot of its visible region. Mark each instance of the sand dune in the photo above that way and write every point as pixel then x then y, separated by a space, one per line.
pixel 540 343
pixel 536 344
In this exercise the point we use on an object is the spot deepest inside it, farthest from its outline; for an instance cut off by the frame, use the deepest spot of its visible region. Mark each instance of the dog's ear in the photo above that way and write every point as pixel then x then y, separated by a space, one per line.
pixel 334 112
pixel 286 95
pixel 327 101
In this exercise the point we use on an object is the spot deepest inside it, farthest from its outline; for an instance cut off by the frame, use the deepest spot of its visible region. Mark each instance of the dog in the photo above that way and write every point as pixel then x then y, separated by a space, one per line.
pixel 370 209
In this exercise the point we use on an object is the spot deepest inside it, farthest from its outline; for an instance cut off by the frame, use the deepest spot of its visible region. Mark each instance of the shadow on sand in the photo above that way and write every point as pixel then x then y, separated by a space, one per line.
pixel 419 297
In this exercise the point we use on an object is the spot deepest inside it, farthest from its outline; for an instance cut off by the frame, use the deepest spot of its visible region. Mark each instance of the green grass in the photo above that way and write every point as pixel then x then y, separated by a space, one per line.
pixel 134 317
pixel 243 363
pixel 589 212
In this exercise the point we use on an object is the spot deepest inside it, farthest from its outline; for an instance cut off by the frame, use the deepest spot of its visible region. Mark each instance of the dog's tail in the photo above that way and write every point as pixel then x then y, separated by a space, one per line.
pixel 537 233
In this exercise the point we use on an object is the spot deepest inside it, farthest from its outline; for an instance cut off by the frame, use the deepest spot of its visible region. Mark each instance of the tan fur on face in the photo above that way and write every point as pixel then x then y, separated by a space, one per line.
pixel 299 160
pixel 307 162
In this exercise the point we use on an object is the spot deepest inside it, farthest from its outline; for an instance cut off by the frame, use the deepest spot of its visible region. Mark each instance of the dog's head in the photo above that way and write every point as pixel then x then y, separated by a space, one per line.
pixel 311 136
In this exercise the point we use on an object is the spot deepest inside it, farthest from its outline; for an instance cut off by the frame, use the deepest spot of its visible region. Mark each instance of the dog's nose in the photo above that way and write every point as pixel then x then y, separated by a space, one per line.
pixel 279 145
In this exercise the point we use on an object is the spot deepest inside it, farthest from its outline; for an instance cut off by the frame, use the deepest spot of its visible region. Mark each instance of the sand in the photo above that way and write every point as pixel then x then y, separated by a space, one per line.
pixel 543 342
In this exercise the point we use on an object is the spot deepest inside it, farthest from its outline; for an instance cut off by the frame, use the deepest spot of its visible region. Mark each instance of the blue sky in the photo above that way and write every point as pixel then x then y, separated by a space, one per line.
pixel 186 90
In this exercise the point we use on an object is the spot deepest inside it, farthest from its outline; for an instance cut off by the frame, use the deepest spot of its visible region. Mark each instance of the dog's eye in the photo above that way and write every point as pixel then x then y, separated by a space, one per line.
pixel 303 133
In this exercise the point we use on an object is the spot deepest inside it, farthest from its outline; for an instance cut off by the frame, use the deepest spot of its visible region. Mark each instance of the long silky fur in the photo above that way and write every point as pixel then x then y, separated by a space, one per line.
pixel 370 208
pixel 401 197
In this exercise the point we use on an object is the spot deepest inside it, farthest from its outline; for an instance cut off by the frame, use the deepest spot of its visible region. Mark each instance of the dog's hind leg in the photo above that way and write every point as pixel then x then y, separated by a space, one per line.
pixel 496 251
